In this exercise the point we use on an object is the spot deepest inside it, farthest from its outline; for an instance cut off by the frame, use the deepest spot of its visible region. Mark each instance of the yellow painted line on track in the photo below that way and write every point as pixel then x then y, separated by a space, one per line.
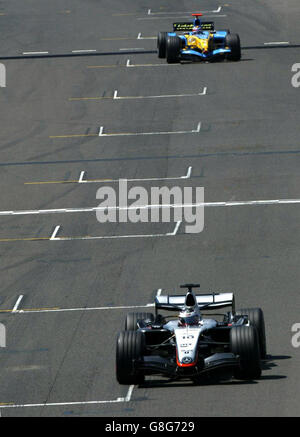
pixel 30 310
pixel 72 99
pixel 50 182
pixel 105 66
pixel 73 136
pixel 11 240
pixel 67 182
pixel 117 39
pixel 124 14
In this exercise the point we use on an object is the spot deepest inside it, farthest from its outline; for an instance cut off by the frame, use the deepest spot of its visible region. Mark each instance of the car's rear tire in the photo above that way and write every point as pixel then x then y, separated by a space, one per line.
pixel 132 318
pixel 130 347
pixel 256 318
pixel 244 343
pixel 173 49
pixel 232 41
pixel 162 44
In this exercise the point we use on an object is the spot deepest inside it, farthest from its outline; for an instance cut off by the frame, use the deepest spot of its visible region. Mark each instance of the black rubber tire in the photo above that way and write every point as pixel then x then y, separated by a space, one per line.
pixel 173 49
pixel 162 44
pixel 132 318
pixel 244 342
pixel 130 346
pixel 256 318
pixel 233 42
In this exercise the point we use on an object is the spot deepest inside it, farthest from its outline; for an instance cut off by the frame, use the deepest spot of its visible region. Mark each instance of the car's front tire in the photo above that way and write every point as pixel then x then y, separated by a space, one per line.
pixel 162 44
pixel 244 343
pixel 232 41
pixel 173 48
pixel 130 347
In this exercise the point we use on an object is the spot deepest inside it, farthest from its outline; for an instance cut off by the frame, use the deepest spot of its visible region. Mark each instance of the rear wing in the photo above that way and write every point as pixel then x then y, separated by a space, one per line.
pixel 188 26
pixel 207 301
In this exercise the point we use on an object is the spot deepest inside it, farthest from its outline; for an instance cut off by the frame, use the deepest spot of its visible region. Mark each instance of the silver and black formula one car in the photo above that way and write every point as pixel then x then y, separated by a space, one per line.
pixel 198 41
pixel 190 346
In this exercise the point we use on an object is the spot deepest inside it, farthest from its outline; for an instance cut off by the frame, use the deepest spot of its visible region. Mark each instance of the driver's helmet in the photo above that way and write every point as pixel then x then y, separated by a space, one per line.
pixel 196 29
pixel 189 317
pixel 148 322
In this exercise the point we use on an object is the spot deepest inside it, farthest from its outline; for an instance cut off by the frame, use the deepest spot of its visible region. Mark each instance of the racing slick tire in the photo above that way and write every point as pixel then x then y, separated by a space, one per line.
pixel 162 44
pixel 256 318
pixel 130 347
pixel 132 318
pixel 173 49
pixel 232 41
pixel 244 343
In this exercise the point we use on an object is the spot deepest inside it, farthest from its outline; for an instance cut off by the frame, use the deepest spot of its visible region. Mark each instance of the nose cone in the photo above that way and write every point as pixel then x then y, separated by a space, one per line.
pixel 205 45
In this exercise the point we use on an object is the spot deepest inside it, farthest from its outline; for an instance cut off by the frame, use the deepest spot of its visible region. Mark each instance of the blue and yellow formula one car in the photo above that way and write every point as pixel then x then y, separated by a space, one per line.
pixel 198 41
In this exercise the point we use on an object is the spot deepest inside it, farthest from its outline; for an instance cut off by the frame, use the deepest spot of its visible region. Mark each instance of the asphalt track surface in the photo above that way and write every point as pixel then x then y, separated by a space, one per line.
pixel 61 363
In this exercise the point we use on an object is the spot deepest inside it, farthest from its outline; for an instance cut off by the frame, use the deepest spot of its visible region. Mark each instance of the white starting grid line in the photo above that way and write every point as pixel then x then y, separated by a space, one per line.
pixel 173 14
pixel 55 232
pixel 113 237
pixel 16 306
pixel 72 310
pixel 81 179
pixel 16 309
pixel 82 174
pixel 124 134
pixel 127 398
pixel 162 96
pixel 145 37
pixel 215 11
pixel 165 17
pixel 130 65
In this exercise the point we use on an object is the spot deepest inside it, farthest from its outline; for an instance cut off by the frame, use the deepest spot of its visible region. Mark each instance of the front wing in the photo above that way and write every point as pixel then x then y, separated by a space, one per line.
pixel 155 364
pixel 188 53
